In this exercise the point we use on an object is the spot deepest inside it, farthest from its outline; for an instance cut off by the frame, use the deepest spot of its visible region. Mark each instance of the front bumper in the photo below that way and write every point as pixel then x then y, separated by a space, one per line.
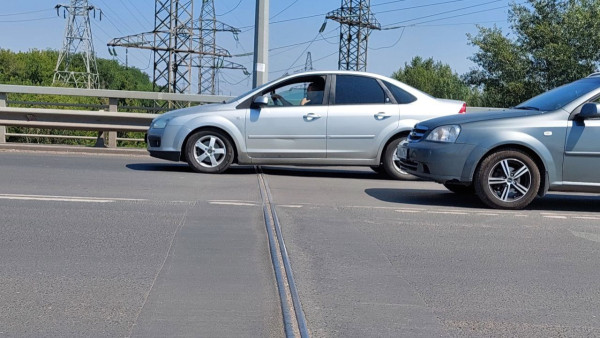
pixel 440 162
pixel 160 143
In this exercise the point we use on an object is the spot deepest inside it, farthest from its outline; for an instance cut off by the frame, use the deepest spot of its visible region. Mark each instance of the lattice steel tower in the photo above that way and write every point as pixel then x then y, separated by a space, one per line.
pixel 180 44
pixel 172 42
pixel 212 57
pixel 356 23
pixel 308 63
pixel 77 43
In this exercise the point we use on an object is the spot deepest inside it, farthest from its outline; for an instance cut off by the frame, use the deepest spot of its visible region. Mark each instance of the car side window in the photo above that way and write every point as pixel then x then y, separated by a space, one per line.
pixel 352 89
pixel 401 95
pixel 299 92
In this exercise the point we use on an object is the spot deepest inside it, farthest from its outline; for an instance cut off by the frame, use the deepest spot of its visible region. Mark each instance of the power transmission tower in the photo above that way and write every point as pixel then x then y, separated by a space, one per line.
pixel 308 64
pixel 212 57
pixel 77 42
pixel 356 22
pixel 178 41
pixel 172 44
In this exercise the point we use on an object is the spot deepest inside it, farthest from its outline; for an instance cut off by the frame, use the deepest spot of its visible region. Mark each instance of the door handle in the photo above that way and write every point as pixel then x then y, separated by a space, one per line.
pixel 311 116
pixel 382 115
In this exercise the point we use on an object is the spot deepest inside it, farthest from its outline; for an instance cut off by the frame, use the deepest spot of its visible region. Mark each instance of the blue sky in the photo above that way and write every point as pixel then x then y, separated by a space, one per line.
pixel 432 28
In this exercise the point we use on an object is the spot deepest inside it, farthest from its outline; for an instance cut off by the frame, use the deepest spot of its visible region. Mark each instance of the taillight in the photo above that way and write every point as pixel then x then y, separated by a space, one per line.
pixel 463 109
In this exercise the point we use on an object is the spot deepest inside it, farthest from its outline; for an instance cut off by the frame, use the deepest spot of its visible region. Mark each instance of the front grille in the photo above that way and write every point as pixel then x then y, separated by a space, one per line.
pixel 417 133
pixel 408 164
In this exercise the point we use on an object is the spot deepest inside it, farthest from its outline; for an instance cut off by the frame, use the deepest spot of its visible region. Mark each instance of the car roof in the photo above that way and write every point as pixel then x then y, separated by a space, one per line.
pixel 336 72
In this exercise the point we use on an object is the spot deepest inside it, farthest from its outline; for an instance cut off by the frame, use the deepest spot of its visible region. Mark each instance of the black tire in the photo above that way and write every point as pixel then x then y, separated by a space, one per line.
pixel 390 161
pixel 378 169
pixel 507 179
pixel 209 151
pixel 460 189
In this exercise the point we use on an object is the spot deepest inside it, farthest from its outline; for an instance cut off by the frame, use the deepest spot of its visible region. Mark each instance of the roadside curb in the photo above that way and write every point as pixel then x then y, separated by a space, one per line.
pixel 6 147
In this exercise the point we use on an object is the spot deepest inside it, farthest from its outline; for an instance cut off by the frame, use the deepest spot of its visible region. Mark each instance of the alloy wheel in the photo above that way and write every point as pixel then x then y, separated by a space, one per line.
pixel 210 151
pixel 509 180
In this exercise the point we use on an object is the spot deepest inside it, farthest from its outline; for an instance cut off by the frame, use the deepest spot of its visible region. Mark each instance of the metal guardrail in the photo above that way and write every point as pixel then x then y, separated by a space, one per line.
pixel 106 123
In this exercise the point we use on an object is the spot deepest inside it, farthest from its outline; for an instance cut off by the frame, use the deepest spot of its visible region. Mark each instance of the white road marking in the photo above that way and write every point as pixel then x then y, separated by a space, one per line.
pixel 64 198
pixel 448 212
pixel 557 217
pixel 290 206
pixel 232 203
pixel 586 217
pixel 407 211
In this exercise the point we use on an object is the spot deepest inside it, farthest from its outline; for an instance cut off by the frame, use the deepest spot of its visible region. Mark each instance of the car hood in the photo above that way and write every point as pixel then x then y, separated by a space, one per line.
pixel 478 116
pixel 202 109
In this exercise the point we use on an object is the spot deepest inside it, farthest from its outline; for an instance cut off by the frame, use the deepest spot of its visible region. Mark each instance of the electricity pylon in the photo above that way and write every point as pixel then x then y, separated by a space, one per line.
pixel 179 43
pixel 172 44
pixel 308 63
pixel 212 57
pixel 77 43
pixel 356 22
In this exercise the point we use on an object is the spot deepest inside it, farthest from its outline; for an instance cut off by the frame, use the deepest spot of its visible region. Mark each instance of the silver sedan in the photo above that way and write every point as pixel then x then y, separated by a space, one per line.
pixel 313 118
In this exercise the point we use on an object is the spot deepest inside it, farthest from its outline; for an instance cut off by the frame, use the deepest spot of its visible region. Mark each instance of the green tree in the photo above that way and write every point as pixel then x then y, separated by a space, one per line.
pixel 555 42
pixel 436 79
pixel 36 68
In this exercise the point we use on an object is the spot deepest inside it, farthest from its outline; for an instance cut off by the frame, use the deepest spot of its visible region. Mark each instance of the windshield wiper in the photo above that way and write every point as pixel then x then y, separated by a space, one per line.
pixel 527 108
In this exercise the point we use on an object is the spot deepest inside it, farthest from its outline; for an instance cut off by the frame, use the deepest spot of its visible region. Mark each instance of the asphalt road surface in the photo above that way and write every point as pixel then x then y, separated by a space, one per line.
pixel 96 245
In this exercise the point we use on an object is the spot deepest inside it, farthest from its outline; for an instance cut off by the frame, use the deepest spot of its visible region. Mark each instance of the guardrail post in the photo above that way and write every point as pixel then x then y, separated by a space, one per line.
pixel 112 135
pixel 109 138
pixel 3 98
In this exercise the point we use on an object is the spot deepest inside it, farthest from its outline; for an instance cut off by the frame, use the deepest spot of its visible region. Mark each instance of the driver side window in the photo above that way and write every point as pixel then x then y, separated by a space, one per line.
pixel 300 92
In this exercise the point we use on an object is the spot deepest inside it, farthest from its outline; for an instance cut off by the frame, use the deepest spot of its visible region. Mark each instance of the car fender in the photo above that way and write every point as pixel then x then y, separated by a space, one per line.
pixel 404 126
pixel 507 139
pixel 213 121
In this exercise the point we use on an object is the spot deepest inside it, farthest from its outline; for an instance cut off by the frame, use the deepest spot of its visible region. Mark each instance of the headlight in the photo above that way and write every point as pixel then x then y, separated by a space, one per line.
pixel 444 134
pixel 160 123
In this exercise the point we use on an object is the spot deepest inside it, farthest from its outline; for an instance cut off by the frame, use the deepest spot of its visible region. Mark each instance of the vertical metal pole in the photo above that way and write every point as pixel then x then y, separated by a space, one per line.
pixel 110 137
pixel 3 99
pixel 261 43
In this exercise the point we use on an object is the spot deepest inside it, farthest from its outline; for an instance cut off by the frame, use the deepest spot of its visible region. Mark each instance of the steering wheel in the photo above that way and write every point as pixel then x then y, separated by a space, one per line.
pixel 278 100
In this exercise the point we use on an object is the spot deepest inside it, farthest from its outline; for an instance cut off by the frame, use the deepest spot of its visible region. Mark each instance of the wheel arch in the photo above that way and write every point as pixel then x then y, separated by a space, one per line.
pixel 208 128
pixel 399 133
pixel 537 159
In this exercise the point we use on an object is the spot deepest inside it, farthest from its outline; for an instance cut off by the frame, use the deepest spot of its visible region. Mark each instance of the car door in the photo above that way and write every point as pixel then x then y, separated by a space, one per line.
pixel 360 118
pixel 285 128
pixel 582 152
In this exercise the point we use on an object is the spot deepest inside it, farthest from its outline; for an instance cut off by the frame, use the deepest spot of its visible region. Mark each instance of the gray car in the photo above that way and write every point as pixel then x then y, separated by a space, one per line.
pixel 550 142
pixel 313 118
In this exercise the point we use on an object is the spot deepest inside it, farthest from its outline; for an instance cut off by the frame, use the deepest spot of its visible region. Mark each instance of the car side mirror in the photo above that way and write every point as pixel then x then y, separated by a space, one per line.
pixel 589 111
pixel 261 101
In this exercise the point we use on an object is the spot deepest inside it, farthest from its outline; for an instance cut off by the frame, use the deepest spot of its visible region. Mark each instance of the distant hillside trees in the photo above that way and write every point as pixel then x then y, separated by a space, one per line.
pixel 36 68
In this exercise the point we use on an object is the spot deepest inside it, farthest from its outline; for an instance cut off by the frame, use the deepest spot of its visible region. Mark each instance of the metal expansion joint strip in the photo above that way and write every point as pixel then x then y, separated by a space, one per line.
pixel 279 257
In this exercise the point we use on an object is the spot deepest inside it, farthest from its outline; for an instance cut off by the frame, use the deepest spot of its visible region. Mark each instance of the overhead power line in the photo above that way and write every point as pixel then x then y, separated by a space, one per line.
pixel 441 13
pixel 25 13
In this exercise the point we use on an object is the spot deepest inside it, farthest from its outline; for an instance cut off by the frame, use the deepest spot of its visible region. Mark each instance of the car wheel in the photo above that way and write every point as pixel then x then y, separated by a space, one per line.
pixel 377 168
pixel 209 151
pixel 507 179
pixel 391 162
pixel 460 188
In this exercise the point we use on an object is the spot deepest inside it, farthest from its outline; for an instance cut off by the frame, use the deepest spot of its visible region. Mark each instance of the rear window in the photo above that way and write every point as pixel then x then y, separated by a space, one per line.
pixel 401 95
pixel 351 89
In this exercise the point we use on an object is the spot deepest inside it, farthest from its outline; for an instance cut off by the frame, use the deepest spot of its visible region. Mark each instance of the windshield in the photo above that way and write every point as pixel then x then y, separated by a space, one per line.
pixel 246 93
pixel 561 96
